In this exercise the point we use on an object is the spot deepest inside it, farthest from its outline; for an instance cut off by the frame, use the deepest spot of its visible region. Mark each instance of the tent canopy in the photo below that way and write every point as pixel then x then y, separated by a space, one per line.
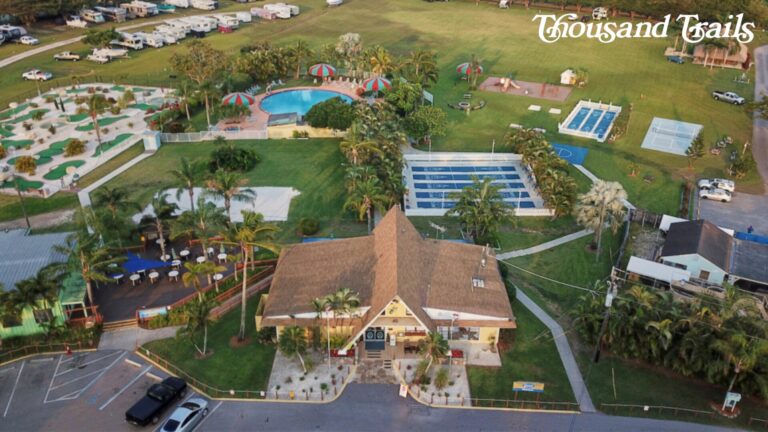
pixel 72 289
pixel 136 263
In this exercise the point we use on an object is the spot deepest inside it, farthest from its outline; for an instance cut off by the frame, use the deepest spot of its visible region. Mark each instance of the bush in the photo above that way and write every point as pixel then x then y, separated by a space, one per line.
pixel 26 126
pixel 115 110
pixel 33 105
pixel 50 99
pixel 26 164
pixel 37 115
pixel 300 134
pixel 333 113
pixel 230 158
pixel 52 129
pixel 309 226
pixel 441 379
pixel 74 147
pixel 2 151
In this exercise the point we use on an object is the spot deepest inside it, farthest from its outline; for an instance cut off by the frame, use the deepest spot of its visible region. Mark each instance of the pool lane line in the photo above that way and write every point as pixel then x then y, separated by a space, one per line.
pixel 130 383
pixel 13 392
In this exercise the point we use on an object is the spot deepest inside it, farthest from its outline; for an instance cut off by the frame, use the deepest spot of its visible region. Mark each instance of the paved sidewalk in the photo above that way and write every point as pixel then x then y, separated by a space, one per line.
pixel 544 246
pixel 84 196
pixel 760 126
pixel 566 355
pixel 133 337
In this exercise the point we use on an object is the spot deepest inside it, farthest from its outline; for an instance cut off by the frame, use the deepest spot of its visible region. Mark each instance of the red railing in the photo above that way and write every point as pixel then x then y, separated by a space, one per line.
pixel 93 318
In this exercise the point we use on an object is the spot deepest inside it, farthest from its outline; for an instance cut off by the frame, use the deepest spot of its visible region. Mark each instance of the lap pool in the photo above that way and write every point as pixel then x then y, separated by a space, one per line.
pixel 298 101
pixel 590 120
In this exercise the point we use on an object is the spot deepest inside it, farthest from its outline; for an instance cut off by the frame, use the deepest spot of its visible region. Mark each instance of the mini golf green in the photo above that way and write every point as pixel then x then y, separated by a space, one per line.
pixel 24 184
pixel 144 107
pixel 61 170
pixel 28 115
pixel 47 153
pixel 102 122
pixel 118 88
pixel 16 143
pixel 109 144
pixel 77 90
pixel 5 132
pixel 60 144
pixel 139 90
pixel 39 160
pixel 77 118
pixel 10 112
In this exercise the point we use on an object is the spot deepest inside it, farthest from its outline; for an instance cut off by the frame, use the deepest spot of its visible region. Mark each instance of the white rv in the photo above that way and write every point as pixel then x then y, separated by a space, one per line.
pixel 91 15
pixel 150 39
pixel 173 32
pixel 129 41
pixel 109 52
pixel 227 21
pixel 244 17
pixel 178 3
pixel 168 39
pixel 115 14
pixel 280 10
pixel 197 25
pixel 204 4
pixel 76 22
pixel 179 25
pixel 294 9
pixel 140 8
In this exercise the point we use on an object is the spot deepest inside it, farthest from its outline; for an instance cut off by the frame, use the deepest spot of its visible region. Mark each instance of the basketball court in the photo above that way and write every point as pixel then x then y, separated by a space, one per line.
pixel 670 136
pixel 572 154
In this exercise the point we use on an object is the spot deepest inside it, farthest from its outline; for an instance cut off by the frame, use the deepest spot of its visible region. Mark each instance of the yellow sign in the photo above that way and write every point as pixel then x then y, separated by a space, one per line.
pixel 526 386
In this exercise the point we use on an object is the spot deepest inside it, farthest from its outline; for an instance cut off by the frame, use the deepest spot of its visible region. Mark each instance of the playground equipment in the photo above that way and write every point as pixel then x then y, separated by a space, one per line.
pixel 504 4
pixel 506 83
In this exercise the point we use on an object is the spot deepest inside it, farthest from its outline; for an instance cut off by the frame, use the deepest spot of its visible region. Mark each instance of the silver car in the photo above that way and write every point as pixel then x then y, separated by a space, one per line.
pixel 186 416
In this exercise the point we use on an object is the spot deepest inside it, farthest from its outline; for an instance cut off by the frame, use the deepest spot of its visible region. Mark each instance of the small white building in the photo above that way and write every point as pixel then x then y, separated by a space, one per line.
pixel 568 77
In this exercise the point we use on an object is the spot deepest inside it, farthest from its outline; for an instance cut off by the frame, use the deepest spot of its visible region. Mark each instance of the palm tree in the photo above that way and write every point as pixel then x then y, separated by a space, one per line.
pixel 344 302
pixel 227 185
pixel 433 347
pixel 357 150
pixel 96 262
pixel 604 203
pixel 300 51
pixel 201 224
pixel 364 197
pixel 195 270
pixel 380 60
pixel 198 316
pixel 185 178
pixel 252 232
pixel 41 289
pixel 421 67
pixel 164 210
pixel 95 106
pixel 356 174
pixel 741 351
pixel 293 342
pixel 481 209
pixel 115 200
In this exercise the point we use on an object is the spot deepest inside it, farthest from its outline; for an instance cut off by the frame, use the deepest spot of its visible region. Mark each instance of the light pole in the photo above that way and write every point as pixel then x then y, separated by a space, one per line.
pixel 454 317
pixel 15 179
pixel 328 333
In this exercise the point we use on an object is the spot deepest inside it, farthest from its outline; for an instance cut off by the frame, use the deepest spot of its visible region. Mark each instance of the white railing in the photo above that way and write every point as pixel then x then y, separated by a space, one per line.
pixel 211 135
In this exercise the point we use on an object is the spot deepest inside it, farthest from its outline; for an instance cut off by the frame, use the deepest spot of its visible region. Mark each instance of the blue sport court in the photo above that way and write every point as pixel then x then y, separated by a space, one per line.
pixel 572 154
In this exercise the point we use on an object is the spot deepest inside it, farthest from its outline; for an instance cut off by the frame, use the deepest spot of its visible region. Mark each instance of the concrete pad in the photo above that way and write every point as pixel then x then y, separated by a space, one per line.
pixel 536 108
pixel 555 111
pixel 131 338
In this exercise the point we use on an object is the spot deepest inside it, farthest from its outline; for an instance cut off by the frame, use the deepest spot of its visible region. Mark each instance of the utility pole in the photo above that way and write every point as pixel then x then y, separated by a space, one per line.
pixel 609 296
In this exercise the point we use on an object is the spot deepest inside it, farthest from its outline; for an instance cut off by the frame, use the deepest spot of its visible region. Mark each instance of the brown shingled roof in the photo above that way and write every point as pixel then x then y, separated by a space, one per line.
pixel 394 261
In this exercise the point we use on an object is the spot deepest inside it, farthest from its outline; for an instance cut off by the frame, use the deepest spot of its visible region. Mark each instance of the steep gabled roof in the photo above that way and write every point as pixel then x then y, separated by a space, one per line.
pixel 22 255
pixel 699 237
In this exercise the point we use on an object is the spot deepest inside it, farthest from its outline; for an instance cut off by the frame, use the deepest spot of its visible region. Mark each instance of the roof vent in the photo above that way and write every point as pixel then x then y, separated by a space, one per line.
pixel 478 282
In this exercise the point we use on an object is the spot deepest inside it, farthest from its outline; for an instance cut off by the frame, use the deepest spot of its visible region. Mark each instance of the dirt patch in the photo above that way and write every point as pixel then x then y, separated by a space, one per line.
pixel 234 342
pixel 205 356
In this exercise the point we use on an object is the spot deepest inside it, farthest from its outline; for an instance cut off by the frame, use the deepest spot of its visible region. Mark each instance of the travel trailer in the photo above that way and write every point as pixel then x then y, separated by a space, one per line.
pixel 11 33
pixel 213 22
pixel 76 22
pixel 294 9
pixel 173 32
pixel 179 25
pixel 140 8
pixel 110 53
pixel 129 41
pixel 227 21
pixel 204 4
pixel 91 15
pixel 114 14
pixel 244 17
pixel 168 39
pixel 178 3
pixel 281 10
pixel 150 39
pixel 198 25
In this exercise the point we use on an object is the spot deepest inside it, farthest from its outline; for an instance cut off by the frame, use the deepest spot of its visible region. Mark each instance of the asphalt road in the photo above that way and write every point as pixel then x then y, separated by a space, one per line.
pixel 92 391
pixel 760 127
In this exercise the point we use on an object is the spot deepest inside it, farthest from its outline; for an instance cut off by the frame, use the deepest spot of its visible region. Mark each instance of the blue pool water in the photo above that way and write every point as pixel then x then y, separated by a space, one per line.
pixel 604 124
pixel 578 119
pixel 298 101
pixel 594 116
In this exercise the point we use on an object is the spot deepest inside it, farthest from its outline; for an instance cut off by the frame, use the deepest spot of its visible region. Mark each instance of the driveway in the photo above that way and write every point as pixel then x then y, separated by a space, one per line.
pixel 744 210
pixel 92 391
pixel 760 126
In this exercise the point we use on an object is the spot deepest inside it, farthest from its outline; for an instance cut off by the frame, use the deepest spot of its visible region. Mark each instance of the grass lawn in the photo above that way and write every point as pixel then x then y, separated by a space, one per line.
pixel 313 167
pixel 111 165
pixel 243 368
pixel 102 122
pixel 10 208
pixel 531 357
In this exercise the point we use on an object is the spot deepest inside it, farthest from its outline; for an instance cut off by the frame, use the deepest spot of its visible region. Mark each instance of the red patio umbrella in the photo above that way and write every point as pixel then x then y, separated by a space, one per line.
pixel 242 99
pixel 376 84
pixel 466 69
pixel 322 70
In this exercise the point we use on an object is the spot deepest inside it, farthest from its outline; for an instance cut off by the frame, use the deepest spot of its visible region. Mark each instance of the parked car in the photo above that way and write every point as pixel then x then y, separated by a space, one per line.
pixel 28 40
pixel 67 56
pixel 186 416
pixel 726 185
pixel 36 75
pixel 729 97
pixel 676 59
pixel 159 396
pixel 715 194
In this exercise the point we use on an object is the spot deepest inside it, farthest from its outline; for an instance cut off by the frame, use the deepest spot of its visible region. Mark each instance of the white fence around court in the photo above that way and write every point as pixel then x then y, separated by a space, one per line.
pixel 212 135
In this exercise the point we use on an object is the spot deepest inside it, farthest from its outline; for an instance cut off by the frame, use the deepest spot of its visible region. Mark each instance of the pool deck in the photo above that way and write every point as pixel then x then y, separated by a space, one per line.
pixel 259 118
pixel 535 90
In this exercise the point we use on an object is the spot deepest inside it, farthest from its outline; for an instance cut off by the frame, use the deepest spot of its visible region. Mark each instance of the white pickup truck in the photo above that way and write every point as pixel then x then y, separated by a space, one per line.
pixel 36 75
pixel 66 56
pixel 729 97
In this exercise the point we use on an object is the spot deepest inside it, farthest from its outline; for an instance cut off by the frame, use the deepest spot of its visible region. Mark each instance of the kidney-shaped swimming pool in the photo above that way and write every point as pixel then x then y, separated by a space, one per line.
pixel 298 101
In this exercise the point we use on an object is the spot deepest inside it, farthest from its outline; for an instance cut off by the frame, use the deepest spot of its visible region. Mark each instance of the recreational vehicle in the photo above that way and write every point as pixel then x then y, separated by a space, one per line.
pixel 149 39
pixel 173 32
pixel 140 8
pixel 294 9
pixel 227 21
pixel 110 53
pixel 129 41
pixel 201 24
pixel 204 4
pixel 167 38
pixel 114 14
pixel 12 33
pixel 76 22
pixel 91 15
pixel 180 25
pixel 178 3
pixel 281 10
pixel 244 17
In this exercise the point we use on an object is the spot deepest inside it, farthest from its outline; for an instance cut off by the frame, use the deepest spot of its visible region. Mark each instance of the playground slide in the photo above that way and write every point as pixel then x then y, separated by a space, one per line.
pixel 513 85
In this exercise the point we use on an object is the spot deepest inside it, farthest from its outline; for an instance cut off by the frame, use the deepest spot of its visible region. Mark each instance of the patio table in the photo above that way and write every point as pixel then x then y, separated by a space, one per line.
pixel 165 257
pixel 222 258
pixel 118 277
pixel 200 259
pixel 153 276
pixel 184 254
pixel 174 274
pixel 134 277
pixel 176 263
pixel 211 251
pixel 218 276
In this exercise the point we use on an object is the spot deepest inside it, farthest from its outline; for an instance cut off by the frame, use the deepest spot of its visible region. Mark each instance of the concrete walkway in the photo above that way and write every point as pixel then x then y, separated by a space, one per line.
pixel 544 246
pixel 133 337
pixel 84 196
pixel 566 355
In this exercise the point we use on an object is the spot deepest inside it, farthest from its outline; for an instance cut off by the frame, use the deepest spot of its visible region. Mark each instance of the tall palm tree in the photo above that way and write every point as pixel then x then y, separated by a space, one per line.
pixel 420 66
pixel 201 224
pixel 300 51
pixel 356 174
pixel 95 261
pixel 366 196
pixel 604 203
pixel 163 210
pixel 740 351
pixel 95 106
pixel 345 302
pixel 481 209
pixel 433 347
pixel 252 232
pixel 381 61
pixel 293 342
pixel 198 317
pixel 228 185
pixel 115 200
pixel 196 270
pixel 357 150
pixel 185 178
pixel 38 290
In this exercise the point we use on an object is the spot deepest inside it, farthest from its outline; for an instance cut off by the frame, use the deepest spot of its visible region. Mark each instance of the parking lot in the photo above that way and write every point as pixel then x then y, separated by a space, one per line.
pixel 83 391
pixel 744 210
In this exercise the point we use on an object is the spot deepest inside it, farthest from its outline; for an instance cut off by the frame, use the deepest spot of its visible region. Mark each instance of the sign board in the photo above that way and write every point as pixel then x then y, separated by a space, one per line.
pixel 149 313
pixel 403 391
pixel 526 386
pixel 428 97
pixel 730 400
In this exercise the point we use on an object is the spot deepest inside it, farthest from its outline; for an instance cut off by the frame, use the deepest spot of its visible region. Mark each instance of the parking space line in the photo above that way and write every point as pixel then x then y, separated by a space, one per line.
pixel 90 362
pixel 210 413
pixel 130 383
pixel 81 391
pixel 10 399
pixel 76 379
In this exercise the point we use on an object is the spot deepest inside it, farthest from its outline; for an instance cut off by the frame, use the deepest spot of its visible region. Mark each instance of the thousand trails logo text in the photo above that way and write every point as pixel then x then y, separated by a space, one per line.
pixel 552 28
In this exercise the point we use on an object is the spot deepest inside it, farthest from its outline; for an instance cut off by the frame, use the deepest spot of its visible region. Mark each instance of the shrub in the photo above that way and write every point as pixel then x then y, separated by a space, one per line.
pixel 105 91
pixel 115 110
pixel 91 90
pixel 130 124
pixel 33 105
pixel 37 115
pixel 2 151
pixel 300 134
pixel 79 100
pixel 26 164
pixel 441 379
pixel 324 387
pixel 104 131
pixel 40 140
pixel 50 99
pixel 74 147
pixel 26 126
pixel 52 129
pixel 230 158
pixel 309 226
pixel 333 113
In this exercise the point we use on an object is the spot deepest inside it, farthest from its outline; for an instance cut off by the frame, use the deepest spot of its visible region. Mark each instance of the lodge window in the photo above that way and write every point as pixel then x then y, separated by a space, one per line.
pixel 704 275
pixel 460 333
pixel 11 319
pixel 43 315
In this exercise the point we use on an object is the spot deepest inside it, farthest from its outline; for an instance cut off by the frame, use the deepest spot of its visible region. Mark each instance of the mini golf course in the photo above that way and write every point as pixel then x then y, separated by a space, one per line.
pixel 24 184
pixel 61 170
pixel 102 122
pixel 109 144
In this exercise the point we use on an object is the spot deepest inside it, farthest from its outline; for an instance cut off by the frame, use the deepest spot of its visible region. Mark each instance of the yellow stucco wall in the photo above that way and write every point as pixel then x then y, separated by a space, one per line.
pixel 486 333
pixel 396 309
pixel 286 131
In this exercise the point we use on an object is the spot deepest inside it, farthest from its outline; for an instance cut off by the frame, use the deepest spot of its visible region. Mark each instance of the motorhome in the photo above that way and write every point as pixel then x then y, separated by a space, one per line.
pixel 12 33
pixel 213 22
pixel 91 15
pixel 150 39
pixel 294 9
pixel 200 24
pixel 140 8
pixel 281 10
pixel 173 32
pixel 204 4
pixel 179 25
pixel 129 41
pixel 227 21
pixel 168 39
pixel 178 3
pixel 76 22
pixel 114 14
pixel 244 17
